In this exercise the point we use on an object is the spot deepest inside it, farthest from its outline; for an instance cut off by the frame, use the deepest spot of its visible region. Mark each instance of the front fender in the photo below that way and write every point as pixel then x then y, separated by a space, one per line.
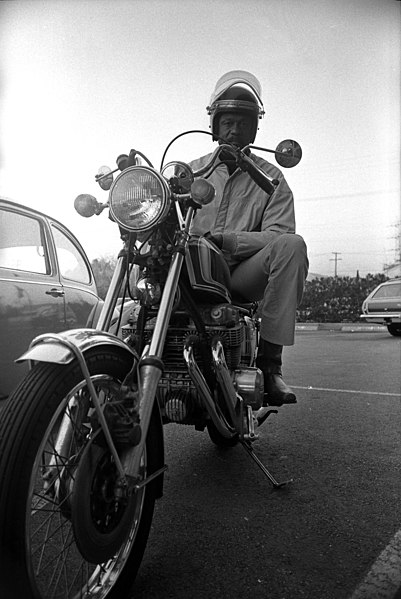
pixel 55 347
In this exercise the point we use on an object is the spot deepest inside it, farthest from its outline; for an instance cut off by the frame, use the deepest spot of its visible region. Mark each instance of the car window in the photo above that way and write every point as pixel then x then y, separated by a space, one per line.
pixel 72 264
pixel 22 245
pixel 393 290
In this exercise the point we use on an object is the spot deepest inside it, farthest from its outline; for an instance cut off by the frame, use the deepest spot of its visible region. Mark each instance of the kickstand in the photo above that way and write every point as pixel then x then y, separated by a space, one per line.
pixel 265 471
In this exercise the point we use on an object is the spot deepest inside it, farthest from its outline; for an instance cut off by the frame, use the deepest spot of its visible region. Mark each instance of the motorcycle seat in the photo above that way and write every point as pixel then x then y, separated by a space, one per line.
pixel 243 303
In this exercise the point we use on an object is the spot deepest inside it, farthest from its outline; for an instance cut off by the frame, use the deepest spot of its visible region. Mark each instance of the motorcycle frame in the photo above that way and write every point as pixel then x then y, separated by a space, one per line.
pixel 150 366
pixel 63 348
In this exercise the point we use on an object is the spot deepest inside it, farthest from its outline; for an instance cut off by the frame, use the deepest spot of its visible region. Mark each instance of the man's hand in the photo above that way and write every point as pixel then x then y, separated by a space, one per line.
pixel 217 238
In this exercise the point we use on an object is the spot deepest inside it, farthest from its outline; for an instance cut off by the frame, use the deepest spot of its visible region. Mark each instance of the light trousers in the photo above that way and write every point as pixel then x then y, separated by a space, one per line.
pixel 276 275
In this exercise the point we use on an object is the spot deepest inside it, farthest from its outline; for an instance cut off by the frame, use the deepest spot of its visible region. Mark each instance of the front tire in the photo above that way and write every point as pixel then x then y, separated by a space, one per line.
pixel 44 502
pixel 394 329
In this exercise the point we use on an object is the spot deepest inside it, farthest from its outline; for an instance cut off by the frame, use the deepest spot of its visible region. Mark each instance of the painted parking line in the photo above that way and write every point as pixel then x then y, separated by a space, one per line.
pixel 384 578
pixel 309 388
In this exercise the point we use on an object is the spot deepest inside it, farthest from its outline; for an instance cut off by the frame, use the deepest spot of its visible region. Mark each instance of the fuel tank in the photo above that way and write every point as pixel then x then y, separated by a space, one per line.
pixel 207 271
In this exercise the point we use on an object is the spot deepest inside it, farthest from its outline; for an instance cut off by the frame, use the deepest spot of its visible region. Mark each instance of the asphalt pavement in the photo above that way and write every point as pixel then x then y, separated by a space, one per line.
pixel 222 531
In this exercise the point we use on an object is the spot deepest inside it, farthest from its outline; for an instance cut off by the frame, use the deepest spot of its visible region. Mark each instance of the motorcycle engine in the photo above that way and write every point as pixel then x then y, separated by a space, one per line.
pixel 178 397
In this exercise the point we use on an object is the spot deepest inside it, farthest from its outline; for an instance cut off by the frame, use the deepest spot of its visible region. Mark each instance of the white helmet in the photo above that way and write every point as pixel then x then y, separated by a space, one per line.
pixel 230 95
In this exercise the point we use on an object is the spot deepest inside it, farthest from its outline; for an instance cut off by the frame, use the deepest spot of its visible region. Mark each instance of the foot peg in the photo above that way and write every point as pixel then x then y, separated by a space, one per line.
pixel 263 414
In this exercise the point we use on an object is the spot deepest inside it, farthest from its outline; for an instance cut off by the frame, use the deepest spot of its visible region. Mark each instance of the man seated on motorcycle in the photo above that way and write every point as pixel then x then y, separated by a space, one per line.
pixel 256 232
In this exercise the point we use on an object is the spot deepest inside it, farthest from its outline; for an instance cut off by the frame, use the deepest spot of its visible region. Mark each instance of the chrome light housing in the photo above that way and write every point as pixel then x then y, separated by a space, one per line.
pixel 139 198
pixel 181 174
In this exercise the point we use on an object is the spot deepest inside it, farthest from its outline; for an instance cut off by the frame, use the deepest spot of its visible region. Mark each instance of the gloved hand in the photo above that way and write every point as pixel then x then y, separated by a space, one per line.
pixel 217 238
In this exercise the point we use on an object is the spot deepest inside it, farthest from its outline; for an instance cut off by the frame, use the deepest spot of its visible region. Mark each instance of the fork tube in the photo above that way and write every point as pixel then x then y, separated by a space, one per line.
pixel 64 436
pixel 170 288
pixel 112 294
pixel 150 366
pixel 166 305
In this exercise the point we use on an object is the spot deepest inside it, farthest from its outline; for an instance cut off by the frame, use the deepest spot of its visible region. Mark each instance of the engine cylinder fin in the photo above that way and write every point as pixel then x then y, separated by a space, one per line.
pixel 178 406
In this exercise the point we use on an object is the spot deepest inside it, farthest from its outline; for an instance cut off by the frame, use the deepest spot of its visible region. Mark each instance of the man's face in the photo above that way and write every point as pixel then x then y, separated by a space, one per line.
pixel 235 128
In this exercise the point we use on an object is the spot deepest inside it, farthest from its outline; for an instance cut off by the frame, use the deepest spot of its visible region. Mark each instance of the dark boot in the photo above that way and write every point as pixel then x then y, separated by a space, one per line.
pixel 269 361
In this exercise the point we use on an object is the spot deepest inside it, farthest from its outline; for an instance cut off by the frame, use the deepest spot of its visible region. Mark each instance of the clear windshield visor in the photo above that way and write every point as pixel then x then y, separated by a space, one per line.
pixel 237 78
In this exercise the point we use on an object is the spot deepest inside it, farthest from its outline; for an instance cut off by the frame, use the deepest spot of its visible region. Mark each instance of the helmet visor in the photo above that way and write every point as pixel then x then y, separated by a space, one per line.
pixel 237 78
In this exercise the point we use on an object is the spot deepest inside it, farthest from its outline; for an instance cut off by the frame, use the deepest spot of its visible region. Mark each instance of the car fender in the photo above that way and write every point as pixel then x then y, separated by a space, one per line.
pixel 61 348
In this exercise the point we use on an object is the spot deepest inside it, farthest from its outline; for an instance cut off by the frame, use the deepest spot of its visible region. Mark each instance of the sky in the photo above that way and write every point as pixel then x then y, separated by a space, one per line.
pixel 84 81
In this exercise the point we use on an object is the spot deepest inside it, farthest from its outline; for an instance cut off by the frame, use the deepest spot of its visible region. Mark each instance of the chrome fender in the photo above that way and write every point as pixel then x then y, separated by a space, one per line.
pixel 63 347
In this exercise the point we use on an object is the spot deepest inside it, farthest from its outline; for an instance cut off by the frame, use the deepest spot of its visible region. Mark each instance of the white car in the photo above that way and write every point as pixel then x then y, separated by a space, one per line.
pixel 383 306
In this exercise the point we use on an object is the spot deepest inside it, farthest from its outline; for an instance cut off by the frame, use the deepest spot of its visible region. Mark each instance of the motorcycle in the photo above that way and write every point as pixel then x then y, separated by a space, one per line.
pixel 81 438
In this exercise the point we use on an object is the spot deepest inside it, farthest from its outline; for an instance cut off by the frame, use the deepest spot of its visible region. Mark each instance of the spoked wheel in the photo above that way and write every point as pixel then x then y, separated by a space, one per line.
pixel 67 527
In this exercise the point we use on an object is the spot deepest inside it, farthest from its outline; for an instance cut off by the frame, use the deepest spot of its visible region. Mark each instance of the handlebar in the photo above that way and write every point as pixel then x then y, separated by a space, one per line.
pixel 202 171
pixel 245 163
pixel 255 172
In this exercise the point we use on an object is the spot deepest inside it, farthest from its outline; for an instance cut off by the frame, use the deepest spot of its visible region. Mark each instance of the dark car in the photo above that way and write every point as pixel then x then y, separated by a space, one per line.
pixel 46 285
pixel 383 306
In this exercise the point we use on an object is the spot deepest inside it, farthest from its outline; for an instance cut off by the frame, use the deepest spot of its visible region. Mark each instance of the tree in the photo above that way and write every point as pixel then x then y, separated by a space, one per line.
pixel 103 269
pixel 336 299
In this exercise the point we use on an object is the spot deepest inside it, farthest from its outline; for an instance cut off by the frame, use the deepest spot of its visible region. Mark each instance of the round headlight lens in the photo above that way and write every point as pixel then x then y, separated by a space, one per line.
pixel 139 198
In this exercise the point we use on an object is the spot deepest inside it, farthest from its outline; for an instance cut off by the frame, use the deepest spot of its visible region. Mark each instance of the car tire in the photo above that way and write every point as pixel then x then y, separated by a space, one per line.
pixel 394 329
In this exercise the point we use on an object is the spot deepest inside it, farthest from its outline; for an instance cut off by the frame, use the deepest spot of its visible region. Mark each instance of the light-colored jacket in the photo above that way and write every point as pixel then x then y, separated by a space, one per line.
pixel 247 217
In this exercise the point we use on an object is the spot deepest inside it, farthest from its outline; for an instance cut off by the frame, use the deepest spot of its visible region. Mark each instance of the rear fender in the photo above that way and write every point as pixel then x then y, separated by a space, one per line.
pixel 59 348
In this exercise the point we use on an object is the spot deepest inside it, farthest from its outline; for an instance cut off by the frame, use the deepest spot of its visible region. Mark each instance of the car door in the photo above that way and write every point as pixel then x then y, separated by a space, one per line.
pixel 81 299
pixel 31 293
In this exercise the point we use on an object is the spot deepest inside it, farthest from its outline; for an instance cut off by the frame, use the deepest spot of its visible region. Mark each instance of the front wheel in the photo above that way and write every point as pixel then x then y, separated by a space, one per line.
pixel 67 529
pixel 394 329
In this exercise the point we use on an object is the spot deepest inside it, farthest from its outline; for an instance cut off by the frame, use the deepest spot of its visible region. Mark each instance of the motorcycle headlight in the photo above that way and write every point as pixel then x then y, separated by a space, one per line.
pixel 139 198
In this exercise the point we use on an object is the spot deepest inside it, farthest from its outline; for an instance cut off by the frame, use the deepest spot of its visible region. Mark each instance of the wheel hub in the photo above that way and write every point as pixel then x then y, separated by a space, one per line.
pixel 101 508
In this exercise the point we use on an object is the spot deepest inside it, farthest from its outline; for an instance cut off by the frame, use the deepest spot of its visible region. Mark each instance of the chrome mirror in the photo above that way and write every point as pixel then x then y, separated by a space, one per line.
pixel 288 153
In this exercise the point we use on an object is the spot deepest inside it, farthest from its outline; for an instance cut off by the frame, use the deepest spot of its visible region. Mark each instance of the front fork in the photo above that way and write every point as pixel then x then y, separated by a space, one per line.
pixel 149 368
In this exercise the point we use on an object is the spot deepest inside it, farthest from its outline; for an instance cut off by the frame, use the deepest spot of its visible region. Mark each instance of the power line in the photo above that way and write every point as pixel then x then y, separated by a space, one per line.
pixel 349 253
pixel 348 195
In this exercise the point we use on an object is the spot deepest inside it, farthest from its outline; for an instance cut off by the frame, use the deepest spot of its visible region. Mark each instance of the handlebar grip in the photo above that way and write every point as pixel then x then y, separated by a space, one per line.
pixel 264 181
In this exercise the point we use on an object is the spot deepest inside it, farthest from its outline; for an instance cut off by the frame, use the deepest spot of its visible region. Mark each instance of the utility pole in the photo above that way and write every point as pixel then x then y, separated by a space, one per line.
pixel 335 260
pixel 397 238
